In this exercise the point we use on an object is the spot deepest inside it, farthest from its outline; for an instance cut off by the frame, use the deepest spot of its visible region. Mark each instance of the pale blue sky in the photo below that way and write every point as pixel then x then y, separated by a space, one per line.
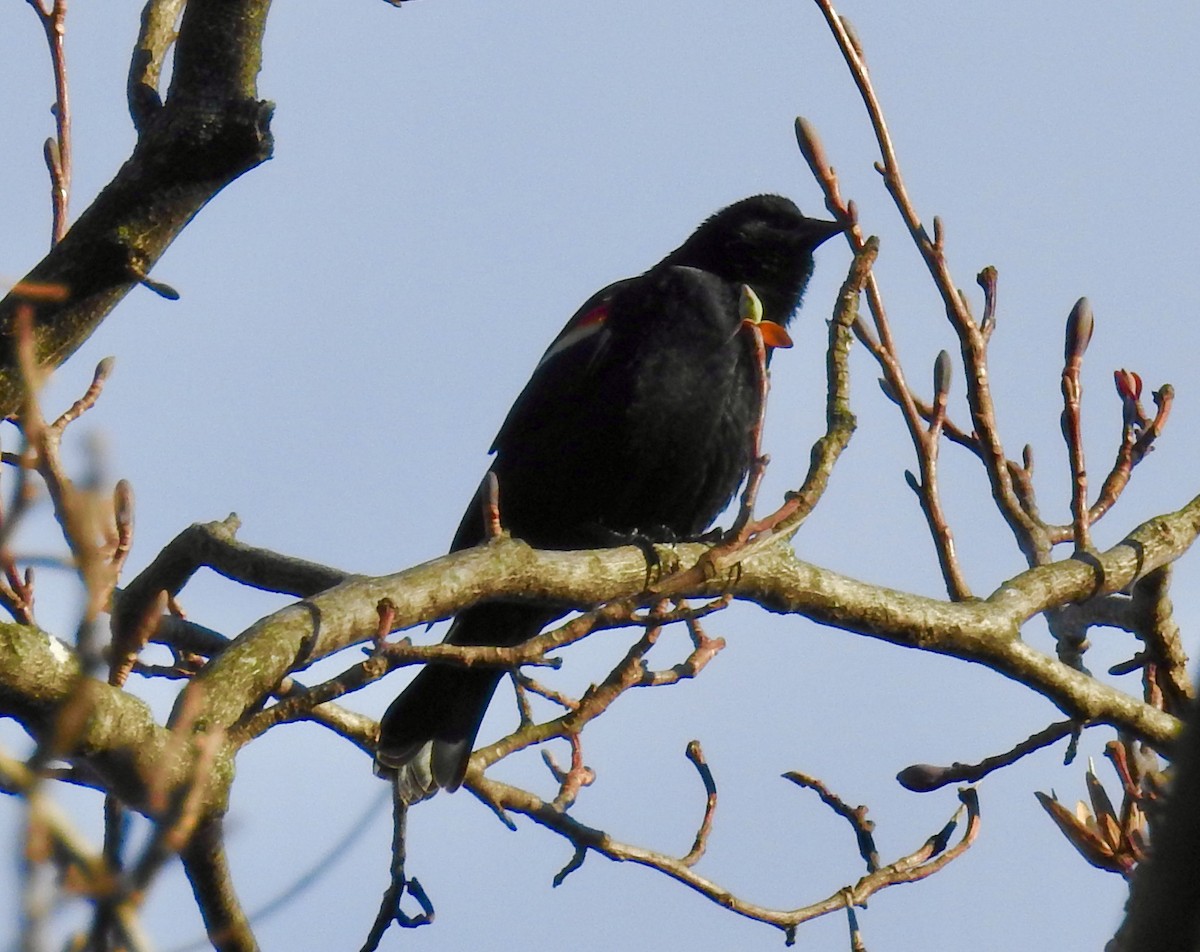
pixel 451 180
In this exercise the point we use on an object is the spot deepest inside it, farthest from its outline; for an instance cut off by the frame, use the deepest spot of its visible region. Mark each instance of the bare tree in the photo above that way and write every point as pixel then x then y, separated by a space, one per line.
pixel 91 729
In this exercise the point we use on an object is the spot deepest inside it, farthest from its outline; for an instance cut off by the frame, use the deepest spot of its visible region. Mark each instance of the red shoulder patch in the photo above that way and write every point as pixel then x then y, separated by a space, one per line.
pixel 580 329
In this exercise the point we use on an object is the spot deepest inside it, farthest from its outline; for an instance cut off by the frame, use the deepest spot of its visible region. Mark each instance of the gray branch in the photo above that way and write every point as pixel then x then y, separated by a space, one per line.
pixel 211 129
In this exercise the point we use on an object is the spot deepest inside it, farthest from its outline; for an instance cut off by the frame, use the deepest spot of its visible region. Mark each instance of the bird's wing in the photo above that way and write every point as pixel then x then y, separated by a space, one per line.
pixel 562 371
pixel 585 324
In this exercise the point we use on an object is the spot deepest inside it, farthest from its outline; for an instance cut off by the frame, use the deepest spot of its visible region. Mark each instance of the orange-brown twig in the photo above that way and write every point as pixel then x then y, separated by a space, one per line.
pixel 57 151
pixel 1079 334
pixel 922 778
pixel 700 844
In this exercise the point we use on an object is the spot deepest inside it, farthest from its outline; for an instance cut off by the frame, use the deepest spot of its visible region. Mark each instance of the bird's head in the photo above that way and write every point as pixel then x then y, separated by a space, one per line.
pixel 764 241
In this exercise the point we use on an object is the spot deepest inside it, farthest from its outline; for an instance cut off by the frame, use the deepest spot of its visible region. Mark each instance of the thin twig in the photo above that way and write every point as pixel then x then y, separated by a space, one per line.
pixel 922 778
pixel 696 755
pixel 1027 530
pixel 1138 433
pixel 762 381
pixel 58 150
pixel 572 780
pixel 883 349
pixel 932 856
pixel 839 426
pixel 1079 333
pixel 493 528
pixel 864 829
pixel 399 883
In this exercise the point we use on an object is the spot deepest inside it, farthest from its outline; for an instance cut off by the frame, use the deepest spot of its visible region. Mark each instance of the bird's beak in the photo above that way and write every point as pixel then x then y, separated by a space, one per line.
pixel 820 231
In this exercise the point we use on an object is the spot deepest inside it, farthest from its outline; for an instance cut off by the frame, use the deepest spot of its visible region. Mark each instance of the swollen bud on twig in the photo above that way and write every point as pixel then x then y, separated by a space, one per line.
pixel 942 370
pixel 987 279
pixel 852 36
pixel 810 144
pixel 160 288
pixel 52 156
pixel 1129 389
pixel 123 521
pixel 750 310
pixel 136 266
pixel 913 484
pixel 123 503
pixel 888 391
pixel 1080 325
pixel 749 306
pixel 921 778
pixel 1129 385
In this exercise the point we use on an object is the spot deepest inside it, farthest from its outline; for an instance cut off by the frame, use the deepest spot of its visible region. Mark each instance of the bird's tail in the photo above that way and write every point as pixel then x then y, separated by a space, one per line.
pixel 427 733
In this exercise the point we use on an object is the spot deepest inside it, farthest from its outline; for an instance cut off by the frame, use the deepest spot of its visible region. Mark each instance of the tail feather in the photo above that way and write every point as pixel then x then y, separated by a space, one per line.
pixel 428 731
pixel 427 734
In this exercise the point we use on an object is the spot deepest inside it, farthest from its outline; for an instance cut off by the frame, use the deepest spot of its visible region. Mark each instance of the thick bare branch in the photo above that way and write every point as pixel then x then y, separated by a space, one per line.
pixel 207 869
pixel 39 675
pixel 118 736
pixel 212 129
pixel 985 631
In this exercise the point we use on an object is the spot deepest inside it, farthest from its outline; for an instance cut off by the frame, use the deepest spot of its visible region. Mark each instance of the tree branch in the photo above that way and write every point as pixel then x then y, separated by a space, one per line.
pixel 119 738
pixel 207 869
pixel 211 129
pixel 929 858
pixel 984 631
pixel 114 733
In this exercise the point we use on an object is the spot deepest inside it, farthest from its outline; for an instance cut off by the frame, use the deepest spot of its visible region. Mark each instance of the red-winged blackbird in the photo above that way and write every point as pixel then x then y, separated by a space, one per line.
pixel 636 422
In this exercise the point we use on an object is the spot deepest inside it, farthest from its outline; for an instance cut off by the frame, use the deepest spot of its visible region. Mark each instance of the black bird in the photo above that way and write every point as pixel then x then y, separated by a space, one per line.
pixel 636 422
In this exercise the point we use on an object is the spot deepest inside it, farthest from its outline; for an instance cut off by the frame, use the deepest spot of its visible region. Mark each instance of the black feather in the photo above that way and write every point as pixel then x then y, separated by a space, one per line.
pixel 637 420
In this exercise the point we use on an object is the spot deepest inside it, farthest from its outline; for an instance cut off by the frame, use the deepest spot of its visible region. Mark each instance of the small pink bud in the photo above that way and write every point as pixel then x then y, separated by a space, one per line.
pixel 1129 384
